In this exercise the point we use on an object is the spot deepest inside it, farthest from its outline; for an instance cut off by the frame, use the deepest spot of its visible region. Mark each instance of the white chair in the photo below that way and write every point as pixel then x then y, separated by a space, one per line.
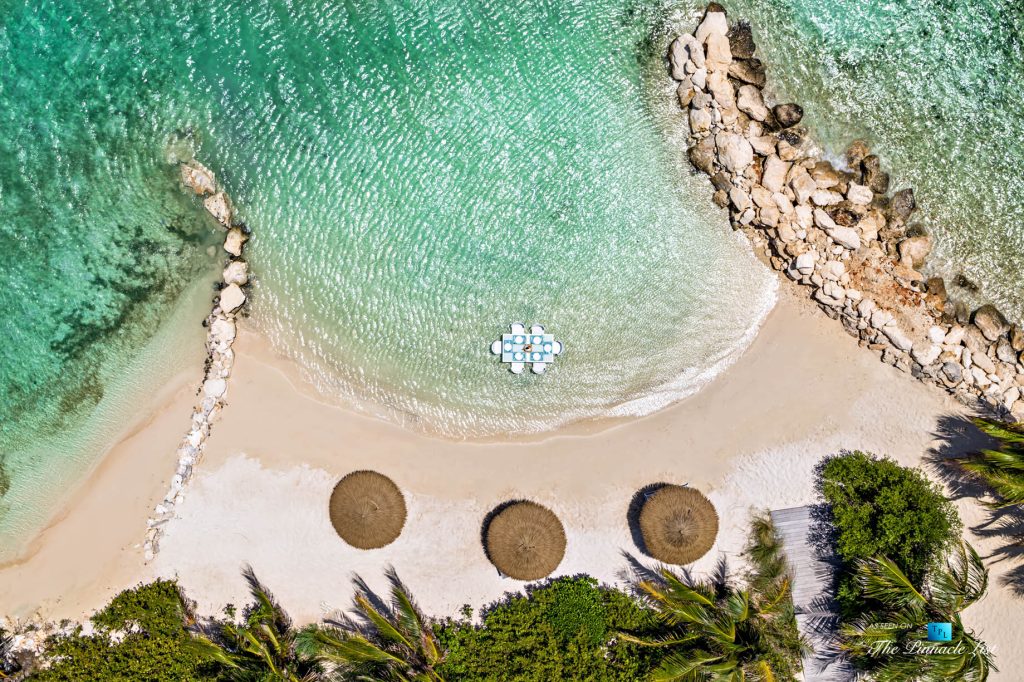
pixel 538 367
pixel 537 329
pixel 557 348
pixel 517 367
pixel 496 347
pixel 517 328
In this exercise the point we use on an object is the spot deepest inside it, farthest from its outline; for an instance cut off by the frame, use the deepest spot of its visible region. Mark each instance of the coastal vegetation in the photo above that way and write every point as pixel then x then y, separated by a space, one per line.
pixel 890 642
pixel 1001 469
pixel 880 509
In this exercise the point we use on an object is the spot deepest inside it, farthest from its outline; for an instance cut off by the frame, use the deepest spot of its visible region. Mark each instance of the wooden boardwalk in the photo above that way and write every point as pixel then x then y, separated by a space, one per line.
pixel 816 614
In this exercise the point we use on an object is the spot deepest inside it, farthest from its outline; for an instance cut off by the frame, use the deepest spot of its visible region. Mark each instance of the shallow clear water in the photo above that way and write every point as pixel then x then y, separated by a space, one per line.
pixel 419 174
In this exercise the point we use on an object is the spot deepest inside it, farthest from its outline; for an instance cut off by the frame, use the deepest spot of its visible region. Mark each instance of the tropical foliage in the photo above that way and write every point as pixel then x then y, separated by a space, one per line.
pixel 889 641
pixel 560 629
pixel 385 642
pixel 140 635
pixel 8 666
pixel 1002 469
pixel 714 630
pixel 261 647
pixel 879 508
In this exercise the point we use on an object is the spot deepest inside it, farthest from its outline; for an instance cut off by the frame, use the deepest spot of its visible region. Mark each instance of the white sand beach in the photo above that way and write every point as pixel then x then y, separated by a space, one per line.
pixel 750 440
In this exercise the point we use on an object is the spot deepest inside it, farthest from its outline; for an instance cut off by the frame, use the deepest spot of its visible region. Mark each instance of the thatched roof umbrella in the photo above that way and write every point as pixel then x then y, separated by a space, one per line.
pixel 679 524
pixel 367 509
pixel 525 541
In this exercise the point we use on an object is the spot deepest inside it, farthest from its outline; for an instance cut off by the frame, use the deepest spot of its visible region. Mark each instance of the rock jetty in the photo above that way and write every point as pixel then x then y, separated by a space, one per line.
pixel 835 230
pixel 221 331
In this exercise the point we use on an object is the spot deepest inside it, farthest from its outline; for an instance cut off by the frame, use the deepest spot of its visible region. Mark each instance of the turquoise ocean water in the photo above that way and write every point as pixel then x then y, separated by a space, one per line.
pixel 419 174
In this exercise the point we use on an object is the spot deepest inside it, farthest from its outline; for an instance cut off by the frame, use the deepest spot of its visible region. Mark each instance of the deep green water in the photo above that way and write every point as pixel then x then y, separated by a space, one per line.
pixel 419 174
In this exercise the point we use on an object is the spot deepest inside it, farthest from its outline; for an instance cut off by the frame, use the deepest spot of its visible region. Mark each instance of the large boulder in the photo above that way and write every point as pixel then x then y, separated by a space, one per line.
pixel 231 298
pixel 237 272
pixel 219 206
pixel 715 24
pixel 914 250
pixel 741 40
pixel 751 103
pixel 198 178
pixel 721 89
pixel 234 242
pixel 775 171
pixel 702 154
pixel 734 151
pixel 903 203
pixel 749 71
pixel 700 121
pixel 678 55
pixel 991 322
pixel 803 186
pixel 788 115
pixel 717 54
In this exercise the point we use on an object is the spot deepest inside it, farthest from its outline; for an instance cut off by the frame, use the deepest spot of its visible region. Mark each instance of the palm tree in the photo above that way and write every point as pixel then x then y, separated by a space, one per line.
pixel 888 640
pixel 259 649
pixel 1002 469
pixel 718 632
pixel 385 643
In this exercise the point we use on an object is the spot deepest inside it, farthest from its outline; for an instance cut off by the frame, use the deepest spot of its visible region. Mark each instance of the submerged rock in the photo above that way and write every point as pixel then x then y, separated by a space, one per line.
pixel 873 176
pixel 788 115
pixel 903 203
pixel 749 71
pixel 915 249
pixel 741 40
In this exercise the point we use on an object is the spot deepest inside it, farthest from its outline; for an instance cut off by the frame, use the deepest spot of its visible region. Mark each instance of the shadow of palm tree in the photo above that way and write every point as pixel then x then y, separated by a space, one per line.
pixel 958 437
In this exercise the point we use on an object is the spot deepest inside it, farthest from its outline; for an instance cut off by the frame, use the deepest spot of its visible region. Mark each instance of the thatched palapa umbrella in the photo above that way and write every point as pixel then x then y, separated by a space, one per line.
pixel 679 524
pixel 525 540
pixel 367 509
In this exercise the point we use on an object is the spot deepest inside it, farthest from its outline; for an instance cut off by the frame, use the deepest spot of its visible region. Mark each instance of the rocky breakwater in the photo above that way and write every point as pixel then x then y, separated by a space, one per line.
pixel 835 229
pixel 221 331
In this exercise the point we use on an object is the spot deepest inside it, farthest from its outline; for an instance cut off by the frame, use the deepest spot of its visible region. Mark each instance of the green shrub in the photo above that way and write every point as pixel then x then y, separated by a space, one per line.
pixel 882 509
pixel 151 642
pixel 560 630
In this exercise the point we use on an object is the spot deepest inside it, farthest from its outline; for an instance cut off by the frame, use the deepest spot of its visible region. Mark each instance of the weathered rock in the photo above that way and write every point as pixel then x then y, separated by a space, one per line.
pixel 983 361
pixel 750 102
pixel 825 175
pixel 903 203
pixel 775 172
pixel 769 216
pixel 783 203
pixel 721 181
pixel 198 178
pixel 734 152
pixel 685 92
pixel 873 176
pixel 741 40
pixel 699 78
pixel 1017 338
pixel 739 199
pixel 714 23
pixel 213 388
pixel 897 337
pixel 859 194
pixel 856 153
pixel 925 353
pixel 846 237
pixel 803 187
pixel 234 241
pixel 702 155
pixel 914 250
pixel 805 262
pixel 222 331
pixel 833 270
pixel 237 272
pixel 231 298
pixel 788 115
pixel 219 206
pixel 823 220
pixel 1005 352
pixel 700 121
pixel 717 56
pixel 678 55
pixel 990 321
pixel 721 198
pixel 749 71
pixel 824 197
pixel 952 371
pixel 763 144
pixel 721 89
